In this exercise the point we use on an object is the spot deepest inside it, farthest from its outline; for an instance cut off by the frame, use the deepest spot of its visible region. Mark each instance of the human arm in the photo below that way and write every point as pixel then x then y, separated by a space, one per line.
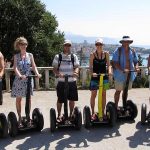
pixel 108 64
pixel 76 66
pixel 34 67
pixel 55 67
pixel 1 65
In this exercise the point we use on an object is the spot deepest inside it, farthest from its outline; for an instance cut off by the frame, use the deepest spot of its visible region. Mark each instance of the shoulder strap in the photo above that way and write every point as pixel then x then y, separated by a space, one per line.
pixel 119 56
pixel 59 60
pixel 72 59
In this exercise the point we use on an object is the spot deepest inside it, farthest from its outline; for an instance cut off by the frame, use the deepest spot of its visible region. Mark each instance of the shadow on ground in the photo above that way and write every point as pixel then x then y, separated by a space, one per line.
pixel 141 136
pixel 63 138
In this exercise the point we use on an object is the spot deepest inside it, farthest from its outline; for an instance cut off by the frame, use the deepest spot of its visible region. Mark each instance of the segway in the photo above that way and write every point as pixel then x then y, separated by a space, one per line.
pixel 37 121
pixel 3 120
pixel 144 116
pixel 110 110
pixel 76 120
pixel 129 109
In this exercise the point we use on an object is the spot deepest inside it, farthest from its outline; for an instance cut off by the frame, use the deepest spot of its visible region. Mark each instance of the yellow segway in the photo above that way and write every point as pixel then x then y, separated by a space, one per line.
pixel 110 109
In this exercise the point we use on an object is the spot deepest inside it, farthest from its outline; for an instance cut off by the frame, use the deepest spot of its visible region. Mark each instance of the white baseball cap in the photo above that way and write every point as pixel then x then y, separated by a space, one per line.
pixel 67 42
pixel 99 40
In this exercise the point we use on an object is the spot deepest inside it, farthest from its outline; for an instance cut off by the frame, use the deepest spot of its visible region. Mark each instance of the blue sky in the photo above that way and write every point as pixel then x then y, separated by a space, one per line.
pixel 103 18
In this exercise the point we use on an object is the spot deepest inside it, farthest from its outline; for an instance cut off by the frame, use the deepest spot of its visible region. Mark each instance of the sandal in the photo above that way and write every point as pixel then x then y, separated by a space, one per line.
pixel 29 124
pixel 20 125
pixel 59 119
pixel 93 117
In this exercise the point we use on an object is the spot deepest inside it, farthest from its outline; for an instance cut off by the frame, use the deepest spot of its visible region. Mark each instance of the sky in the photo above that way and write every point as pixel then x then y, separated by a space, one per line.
pixel 103 18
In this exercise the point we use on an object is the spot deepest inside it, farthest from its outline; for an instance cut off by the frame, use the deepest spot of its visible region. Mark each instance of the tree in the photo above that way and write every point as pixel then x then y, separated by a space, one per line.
pixel 29 18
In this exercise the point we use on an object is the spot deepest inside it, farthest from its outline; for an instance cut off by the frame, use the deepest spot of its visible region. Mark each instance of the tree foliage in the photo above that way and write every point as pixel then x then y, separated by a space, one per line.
pixel 30 19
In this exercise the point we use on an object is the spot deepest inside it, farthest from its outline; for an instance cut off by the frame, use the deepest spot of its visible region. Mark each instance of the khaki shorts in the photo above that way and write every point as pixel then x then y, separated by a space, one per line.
pixel 119 86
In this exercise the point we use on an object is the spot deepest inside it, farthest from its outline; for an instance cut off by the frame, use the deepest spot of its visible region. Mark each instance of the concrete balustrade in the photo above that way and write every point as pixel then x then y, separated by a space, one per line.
pixel 84 71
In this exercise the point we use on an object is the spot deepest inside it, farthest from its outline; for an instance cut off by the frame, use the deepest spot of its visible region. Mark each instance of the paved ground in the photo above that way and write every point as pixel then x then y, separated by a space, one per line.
pixel 124 136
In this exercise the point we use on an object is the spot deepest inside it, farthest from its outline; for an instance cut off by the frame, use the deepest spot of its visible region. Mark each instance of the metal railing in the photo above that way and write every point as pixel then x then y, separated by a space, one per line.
pixel 48 75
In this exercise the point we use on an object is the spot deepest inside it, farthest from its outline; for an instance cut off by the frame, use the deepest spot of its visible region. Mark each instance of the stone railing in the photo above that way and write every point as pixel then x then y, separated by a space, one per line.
pixel 84 73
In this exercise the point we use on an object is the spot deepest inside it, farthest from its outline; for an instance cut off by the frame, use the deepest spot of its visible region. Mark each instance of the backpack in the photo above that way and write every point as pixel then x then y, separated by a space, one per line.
pixel 60 59
pixel 119 56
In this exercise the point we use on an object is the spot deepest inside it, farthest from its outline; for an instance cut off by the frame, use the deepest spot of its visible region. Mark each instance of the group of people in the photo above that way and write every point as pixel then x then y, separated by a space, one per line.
pixel 124 59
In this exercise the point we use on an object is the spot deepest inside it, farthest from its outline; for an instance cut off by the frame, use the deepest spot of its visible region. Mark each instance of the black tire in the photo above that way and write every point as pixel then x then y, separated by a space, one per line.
pixel 111 113
pixel 78 118
pixel 38 119
pixel 52 119
pixel 3 126
pixel 12 124
pixel 143 113
pixel 87 117
pixel 132 108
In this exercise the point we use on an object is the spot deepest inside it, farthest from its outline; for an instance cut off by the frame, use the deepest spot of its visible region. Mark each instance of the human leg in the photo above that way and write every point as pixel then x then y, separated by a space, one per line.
pixel 60 95
pixel 72 96
pixel 92 100
pixel 18 107
pixel 59 106
pixel 119 86
pixel 71 106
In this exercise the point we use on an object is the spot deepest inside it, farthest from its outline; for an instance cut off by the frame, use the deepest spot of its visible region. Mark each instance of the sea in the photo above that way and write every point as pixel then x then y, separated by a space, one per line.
pixel 85 61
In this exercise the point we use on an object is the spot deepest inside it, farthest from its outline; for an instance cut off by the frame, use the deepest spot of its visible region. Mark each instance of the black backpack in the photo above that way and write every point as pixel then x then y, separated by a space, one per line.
pixel 60 59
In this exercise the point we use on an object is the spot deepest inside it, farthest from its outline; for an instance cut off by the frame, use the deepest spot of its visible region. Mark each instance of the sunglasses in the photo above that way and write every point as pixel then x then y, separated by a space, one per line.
pixel 22 44
pixel 99 44
pixel 67 45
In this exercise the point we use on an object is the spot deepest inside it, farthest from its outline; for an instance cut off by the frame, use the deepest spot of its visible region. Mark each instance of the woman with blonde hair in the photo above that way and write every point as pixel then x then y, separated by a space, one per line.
pixel 23 62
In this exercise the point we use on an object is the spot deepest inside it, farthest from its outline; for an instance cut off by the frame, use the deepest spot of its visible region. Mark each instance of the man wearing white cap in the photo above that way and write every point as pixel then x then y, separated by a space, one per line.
pixel 66 63
pixel 124 59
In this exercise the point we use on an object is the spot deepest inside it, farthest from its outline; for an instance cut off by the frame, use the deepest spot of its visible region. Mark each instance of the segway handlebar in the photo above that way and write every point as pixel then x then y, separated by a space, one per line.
pixel 101 74
pixel 65 75
pixel 126 71
pixel 29 76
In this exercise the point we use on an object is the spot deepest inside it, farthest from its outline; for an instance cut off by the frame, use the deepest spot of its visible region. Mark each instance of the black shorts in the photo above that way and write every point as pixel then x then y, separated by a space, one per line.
pixel 72 91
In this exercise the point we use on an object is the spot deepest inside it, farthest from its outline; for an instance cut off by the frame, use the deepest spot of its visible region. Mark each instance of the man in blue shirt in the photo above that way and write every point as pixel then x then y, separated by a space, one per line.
pixel 124 59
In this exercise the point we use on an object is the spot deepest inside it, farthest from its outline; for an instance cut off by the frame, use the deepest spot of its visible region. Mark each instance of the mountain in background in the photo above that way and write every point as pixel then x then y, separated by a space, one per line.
pixel 80 39
pixel 91 39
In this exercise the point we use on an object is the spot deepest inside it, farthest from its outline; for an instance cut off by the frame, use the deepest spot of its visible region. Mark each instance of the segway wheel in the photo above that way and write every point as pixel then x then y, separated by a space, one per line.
pixel 111 113
pixel 52 119
pixel 87 117
pixel 143 113
pixel 132 109
pixel 3 126
pixel 78 118
pixel 12 124
pixel 38 119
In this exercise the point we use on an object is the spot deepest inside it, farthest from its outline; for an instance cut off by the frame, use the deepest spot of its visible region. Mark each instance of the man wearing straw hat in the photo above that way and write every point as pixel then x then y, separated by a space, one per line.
pixel 124 59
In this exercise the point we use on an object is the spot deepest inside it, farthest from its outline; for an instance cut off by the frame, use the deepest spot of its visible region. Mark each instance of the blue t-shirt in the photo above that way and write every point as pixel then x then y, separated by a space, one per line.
pixel 133 58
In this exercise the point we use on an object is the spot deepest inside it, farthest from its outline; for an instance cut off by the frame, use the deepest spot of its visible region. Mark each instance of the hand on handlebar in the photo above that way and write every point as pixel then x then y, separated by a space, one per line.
pixel 126 70
pixel 75 74
pixel 94 74
pixel 137 70
pixel 23 77
pixel 61 75
pixel 39 75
